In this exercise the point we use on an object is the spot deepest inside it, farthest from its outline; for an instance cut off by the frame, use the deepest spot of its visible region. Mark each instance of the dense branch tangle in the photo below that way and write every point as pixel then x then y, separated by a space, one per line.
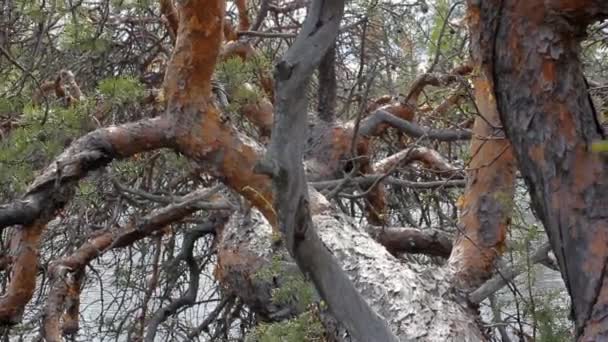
pixel 194 126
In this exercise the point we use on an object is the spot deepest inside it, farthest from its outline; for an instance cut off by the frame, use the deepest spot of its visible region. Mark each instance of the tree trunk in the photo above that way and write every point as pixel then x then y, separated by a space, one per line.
pixel 416 302
pixel 530 51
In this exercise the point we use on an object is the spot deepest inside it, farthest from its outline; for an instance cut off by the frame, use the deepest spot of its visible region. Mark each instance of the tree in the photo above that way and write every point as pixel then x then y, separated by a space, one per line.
pixel 551 122
pixel 283 220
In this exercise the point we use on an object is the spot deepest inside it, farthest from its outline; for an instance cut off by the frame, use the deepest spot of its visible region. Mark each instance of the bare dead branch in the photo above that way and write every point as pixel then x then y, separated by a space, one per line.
pixel 430 159
pixel 62 269
pixel 369 127
pixel 371 179
pixel 413 241
pixel 189 297
pixel 504 276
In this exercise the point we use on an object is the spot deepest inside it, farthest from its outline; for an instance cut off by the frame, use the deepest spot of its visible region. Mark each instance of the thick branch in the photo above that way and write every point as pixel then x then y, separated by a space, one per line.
pixel 24 252
pixel 104 241
pixel 416 304
pixel 542 98
pixel 49 191
pixel 284 162
pixel 327 85
pixel 436 80
pixel 413 241
pixel 55 187
pixel 486 206
pixel 202 133
pixel 429 158
pixel 369 127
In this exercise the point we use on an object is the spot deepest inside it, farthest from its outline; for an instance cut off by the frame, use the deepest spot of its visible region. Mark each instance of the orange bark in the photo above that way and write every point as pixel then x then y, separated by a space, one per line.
pixel 64 295
pixel 544 105
pixel 168 10
pixel 485 208
pixel 115 142
pixel 244 24
pixel 20 289
pixel 260 114
pixel 201 133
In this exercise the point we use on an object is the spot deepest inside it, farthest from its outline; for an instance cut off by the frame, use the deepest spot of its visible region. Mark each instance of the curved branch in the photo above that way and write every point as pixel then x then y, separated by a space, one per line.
pixel 52 189
pixel 189 297
pixel 284 163
pixel 101 242
pixel 433 79
pixel 369 127
pixel 430 158
pixel 504 276
pixel 55 187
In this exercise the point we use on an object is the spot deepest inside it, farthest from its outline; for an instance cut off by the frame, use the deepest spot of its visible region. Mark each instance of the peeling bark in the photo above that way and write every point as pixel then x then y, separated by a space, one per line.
pixel 486 206
pixel 415 303
pixel 531 50
pixel 24 250
pixel 54 188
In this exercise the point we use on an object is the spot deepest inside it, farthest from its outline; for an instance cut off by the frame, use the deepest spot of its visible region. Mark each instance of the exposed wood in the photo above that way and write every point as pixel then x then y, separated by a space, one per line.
pixel 416 304
pixel 486 205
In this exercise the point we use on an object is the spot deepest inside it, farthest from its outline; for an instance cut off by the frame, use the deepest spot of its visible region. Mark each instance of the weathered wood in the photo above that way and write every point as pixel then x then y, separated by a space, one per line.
pixel 284 163
pixel 415 302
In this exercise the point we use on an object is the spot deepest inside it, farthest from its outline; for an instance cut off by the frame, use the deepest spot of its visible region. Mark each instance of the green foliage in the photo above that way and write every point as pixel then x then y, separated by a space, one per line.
pixel 551 319
pixel 121 90
pixel 133 4
pixel 305 327
pixel 233 72
pixel 600 146
pixel 82 36
pixel 238 78
pixel 449 38
pixel 295 287
pixel 31 145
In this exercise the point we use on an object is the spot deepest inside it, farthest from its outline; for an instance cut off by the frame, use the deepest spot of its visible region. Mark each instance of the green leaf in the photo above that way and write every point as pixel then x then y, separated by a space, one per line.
pixel 600 146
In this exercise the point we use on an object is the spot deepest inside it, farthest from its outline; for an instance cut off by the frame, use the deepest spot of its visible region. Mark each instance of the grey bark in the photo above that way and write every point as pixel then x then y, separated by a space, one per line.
pixel 415 302
pixel 284 163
